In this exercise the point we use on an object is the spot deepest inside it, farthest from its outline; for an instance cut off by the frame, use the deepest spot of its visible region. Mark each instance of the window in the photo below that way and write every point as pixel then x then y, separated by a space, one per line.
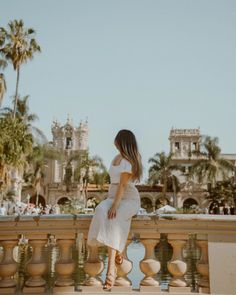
pixel 68 143
pixel 194 146
pixel 177 145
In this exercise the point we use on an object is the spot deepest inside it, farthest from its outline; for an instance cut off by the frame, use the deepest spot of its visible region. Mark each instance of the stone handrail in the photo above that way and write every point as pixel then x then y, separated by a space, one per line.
pixel 216 237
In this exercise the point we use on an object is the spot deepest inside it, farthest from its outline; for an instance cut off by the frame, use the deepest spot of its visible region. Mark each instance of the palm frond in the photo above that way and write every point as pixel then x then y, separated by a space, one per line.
pixel 3 64
pixel 211 166
pixel 38 135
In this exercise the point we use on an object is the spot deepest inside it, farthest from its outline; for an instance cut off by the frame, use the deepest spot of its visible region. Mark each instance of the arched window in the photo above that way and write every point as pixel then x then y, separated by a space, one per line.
pixel 188 203
pixel 63 201
pixel 161 202
pixel 68 143
pixel 146 203
pixel 41 200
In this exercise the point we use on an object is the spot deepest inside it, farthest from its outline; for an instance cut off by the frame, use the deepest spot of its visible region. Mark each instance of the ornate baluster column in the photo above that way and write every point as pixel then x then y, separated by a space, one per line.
pixel 149 266
pixel 65 267
pixel 93 267
pixel 176 266
pixel 8 267
pixel 122 283
pixel 203 266
pixel 36 267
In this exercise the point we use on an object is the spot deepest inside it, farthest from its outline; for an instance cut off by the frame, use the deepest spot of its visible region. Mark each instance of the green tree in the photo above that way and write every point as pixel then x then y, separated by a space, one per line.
pixel 223 192
pixel 17 46
pixel 84 164
pixel 23 114
pixel 100 175
pixel 3 87
pixel 162 171
pixel 88 170
pixel 210 166
pixel 100 178
pixel 38 161
pixel 16 144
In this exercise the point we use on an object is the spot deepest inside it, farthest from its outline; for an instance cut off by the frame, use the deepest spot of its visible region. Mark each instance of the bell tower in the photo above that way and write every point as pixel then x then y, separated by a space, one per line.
pixel 68 139
pixel 183 142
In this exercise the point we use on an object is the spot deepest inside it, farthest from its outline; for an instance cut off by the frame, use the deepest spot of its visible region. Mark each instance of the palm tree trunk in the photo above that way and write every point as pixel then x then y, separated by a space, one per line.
pixel 175 197
pixel 234 204
pixel 37 184
pixel 37 199
pixel 7 177
pixel 16 93
pixel 2 170
pixel 86 192
pixel 164 190
pixel 2 178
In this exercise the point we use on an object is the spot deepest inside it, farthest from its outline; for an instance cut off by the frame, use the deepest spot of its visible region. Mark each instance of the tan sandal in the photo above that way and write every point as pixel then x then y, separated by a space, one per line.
pixel 119 258
pixel 110 280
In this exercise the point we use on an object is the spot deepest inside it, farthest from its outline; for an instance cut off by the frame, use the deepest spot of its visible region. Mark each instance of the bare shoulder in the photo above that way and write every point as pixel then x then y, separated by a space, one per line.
pixel 117 159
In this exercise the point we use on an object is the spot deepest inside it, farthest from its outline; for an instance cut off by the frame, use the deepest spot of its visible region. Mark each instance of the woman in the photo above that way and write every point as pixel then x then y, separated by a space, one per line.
pixel 112 218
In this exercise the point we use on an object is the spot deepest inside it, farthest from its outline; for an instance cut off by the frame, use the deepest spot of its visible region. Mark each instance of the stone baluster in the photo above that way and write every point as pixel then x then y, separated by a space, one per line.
pixel 176 266
pixel 122 283
pixel 203 267
pixel 93 267
pixel 149 266
pixel 36 267
pixel 64 267
pixel 8 267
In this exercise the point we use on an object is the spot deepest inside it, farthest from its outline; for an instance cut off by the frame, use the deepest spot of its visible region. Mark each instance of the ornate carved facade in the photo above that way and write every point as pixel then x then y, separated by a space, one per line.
pixel 69 139
pixel 184 143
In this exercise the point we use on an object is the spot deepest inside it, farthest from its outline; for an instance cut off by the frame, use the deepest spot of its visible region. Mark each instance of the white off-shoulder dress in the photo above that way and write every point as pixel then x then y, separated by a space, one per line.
pixel 114 232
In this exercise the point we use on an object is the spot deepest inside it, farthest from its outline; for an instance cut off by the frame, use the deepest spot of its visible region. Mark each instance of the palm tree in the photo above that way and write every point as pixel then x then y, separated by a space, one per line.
pixel 100 178
pixel 210 166
pixel 3 87
pixel 161 170
pixel 3 63
pixel 87 168
pixel 84 164
pixel 23 114
pixel 223 192
pixel 100 175
pixel 17 45
pixel 38 162
pixel 15 145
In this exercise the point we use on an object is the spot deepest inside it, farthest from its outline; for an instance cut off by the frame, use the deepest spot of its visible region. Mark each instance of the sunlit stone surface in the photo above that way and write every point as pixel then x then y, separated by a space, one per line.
pixel 164 252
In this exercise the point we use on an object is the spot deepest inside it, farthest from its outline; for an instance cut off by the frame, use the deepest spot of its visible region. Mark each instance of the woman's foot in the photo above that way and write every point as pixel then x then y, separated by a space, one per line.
pixel 119 258
pixel 110 279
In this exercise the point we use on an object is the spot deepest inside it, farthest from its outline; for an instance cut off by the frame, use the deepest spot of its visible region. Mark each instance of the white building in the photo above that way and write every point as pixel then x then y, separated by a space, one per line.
pixel 184 143
pixel 68 139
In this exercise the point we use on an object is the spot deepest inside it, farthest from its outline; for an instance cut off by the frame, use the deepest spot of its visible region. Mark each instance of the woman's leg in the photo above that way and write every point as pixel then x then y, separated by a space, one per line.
pixel 119 257
pixel 110 277
pixel 111 259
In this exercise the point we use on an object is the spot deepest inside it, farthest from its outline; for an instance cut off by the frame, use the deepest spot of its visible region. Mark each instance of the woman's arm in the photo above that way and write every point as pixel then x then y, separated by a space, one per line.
pixel 124 178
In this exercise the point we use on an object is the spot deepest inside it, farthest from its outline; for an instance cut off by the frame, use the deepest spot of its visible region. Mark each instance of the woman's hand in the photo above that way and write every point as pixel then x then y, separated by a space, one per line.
pixel 112 211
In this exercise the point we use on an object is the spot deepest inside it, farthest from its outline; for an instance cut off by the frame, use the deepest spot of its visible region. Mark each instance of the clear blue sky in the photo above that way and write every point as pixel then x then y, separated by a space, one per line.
pixel 143 65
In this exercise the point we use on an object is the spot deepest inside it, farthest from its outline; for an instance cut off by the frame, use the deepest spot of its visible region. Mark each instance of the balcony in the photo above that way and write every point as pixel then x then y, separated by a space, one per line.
pixel 215 238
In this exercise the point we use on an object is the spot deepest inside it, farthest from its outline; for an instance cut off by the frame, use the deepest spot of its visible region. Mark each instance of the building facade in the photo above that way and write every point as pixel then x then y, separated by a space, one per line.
pixel 71 140
pixel 184 145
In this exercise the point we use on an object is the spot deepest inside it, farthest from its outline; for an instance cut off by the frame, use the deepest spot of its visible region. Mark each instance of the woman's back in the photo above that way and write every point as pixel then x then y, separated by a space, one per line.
pixel 116 168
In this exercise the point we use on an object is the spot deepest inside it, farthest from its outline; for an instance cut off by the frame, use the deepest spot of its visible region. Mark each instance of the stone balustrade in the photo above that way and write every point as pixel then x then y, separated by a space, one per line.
pixel 215 238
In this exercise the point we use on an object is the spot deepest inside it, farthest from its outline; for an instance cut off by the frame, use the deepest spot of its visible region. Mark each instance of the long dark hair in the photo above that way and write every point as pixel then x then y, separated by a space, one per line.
pixel 128 147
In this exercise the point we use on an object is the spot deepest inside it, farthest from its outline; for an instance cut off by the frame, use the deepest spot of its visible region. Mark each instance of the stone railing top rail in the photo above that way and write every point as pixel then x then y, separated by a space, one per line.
pixel 150 216
pixel 147 226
